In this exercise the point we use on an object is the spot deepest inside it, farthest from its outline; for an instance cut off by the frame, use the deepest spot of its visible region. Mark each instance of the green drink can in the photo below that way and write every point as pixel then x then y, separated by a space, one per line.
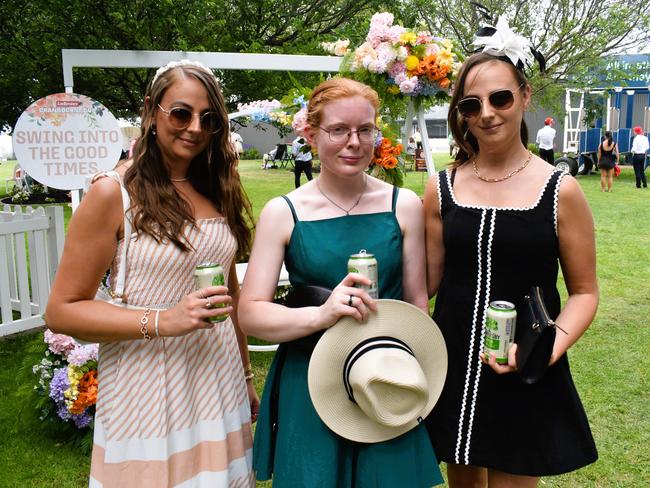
pixel 365 264
pixel 210 274
pixel 500 330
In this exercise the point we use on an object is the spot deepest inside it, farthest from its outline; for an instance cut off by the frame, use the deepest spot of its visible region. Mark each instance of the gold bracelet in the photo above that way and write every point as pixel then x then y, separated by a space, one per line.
pixel 143 325
pixel 249 376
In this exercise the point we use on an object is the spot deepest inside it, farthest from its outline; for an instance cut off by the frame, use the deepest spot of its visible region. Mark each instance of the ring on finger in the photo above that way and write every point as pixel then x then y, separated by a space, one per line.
pixel 207 303
pixel 350 301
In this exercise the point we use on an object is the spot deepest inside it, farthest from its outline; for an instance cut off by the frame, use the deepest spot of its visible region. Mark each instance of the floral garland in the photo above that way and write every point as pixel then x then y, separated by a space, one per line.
pixel 270 112
pixel 387 161
pixel 400 62
pixel 67 382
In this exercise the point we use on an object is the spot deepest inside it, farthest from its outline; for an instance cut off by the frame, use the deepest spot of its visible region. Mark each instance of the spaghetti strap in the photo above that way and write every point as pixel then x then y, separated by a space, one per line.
pixel 291 207
pixel 395 193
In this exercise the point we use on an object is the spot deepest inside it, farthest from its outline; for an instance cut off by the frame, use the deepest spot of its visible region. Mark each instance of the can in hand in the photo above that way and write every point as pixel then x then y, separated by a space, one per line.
pixel 210 274
pixel 500 330
pixel 365 264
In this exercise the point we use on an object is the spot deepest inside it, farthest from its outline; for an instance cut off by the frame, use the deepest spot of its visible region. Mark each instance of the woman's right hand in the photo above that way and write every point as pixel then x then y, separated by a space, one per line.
pixel 194 311
pixel 347 300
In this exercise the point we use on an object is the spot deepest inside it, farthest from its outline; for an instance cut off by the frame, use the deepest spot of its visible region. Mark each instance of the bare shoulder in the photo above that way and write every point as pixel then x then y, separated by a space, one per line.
pixel 570 189
pixel 408 199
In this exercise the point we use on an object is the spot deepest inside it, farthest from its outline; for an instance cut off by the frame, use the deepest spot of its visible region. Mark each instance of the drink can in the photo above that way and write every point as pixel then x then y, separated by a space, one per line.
pixel 210 274
pixel 365 264
pixel 500 330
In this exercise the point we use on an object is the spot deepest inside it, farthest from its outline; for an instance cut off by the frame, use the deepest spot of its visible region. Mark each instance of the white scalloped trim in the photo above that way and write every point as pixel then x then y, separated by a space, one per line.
pixel 486 303
pixel 439 195
pixel 556 198
pixel 468 374
pixel 489 207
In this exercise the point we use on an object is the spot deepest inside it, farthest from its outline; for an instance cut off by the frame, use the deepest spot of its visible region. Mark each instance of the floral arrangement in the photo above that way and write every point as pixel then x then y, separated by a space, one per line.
pixel 270 112
pixel 66 386
pixel 387 163
pixel 400 62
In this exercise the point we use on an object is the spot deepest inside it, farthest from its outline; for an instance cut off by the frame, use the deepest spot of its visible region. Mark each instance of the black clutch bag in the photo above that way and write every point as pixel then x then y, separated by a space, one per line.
pixel 536 336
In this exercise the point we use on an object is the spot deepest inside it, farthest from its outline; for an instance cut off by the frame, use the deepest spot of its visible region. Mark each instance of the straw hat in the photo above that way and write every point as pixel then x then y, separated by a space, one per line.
pixel 374 381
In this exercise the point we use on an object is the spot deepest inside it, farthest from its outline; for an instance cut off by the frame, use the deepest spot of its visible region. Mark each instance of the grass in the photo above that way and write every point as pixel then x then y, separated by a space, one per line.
pixel 610 363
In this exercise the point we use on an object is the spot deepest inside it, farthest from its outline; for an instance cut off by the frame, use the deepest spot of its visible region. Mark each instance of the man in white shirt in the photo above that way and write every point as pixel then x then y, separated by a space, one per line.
pixel 544 140
pixel 639 149
pixel 302 159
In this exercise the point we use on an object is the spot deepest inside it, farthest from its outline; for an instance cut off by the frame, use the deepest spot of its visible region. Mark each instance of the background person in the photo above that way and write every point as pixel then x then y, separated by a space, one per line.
pixel 237 142
pixel 175 391
pixel 302 159
pixel 498 223
pixel 607 159
pixel 639 150
pixel 546 141
pixel 314 229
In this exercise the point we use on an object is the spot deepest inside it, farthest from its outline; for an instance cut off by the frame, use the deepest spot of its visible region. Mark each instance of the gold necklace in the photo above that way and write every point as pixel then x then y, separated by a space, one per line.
pixel 347 211
pixel 503 178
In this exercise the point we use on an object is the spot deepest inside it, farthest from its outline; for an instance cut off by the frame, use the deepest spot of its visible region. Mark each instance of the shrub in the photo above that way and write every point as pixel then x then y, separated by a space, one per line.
pixel 251 153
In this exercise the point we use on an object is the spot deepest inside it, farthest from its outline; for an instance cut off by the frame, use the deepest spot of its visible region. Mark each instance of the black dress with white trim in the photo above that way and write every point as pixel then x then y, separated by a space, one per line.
pixel 482 418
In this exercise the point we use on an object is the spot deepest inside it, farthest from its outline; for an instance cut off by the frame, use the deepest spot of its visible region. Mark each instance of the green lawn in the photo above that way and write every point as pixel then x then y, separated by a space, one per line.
pixel 610 364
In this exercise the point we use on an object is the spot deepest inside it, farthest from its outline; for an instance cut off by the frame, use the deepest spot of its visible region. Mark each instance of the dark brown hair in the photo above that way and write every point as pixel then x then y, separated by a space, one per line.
pixel 467 143
pixel 158 209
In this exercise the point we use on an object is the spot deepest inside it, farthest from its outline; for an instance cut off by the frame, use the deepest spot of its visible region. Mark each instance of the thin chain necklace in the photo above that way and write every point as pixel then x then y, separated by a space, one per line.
pixel 509 175
pixel 180 179
pixel 347 211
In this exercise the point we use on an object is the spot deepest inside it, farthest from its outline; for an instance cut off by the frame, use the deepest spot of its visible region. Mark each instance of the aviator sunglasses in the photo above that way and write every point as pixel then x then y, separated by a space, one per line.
pixel 501 100
pixel 181 118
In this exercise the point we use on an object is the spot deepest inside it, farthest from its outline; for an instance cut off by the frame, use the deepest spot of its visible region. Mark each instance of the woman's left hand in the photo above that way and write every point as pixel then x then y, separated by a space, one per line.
pixel 502 368
pixel 253 400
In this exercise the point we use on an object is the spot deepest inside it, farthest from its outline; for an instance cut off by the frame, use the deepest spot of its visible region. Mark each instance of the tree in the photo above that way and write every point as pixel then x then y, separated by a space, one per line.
pixel 33 33
pixel 573 36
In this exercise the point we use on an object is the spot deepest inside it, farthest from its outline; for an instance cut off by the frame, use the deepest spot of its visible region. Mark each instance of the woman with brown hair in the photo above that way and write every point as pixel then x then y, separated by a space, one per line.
pixel 498 223
pixel 175 396
pixel 607 160
pixel 314 230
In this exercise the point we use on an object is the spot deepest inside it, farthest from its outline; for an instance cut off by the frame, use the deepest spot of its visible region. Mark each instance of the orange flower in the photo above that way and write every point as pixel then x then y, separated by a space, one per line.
pixel 87 392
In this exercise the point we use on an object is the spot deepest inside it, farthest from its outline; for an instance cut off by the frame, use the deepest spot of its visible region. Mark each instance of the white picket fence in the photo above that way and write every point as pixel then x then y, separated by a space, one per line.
pixel 31 244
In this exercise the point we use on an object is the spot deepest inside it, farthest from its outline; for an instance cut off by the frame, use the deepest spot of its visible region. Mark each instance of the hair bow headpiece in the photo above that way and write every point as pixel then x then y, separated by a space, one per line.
pixel 176 64
pixel 501 41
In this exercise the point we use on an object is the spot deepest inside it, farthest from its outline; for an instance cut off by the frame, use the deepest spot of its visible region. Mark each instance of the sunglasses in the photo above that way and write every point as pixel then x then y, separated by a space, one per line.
pixel 501 100
pixel 181 118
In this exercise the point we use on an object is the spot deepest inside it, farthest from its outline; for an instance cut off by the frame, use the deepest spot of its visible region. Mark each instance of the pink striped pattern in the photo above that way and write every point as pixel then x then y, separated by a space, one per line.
pixel 164 402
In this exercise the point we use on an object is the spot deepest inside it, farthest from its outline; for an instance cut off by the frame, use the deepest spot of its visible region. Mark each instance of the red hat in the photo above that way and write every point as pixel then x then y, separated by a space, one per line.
pixel 638 130
pixel 548 121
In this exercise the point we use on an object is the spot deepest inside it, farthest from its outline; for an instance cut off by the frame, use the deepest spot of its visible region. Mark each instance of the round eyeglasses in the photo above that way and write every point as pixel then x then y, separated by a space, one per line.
pixel 500 100
pixel 343 134
pixel 181 118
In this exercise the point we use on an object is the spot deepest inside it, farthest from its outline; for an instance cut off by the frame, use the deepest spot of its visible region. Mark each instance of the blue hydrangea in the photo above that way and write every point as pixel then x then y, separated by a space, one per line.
pixel 58 385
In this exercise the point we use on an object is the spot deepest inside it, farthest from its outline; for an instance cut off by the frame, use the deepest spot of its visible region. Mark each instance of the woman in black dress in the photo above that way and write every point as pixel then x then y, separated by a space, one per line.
pixel 498 223
pixel 607 158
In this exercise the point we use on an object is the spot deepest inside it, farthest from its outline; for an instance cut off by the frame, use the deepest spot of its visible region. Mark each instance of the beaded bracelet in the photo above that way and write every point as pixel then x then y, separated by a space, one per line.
pixel 248 372
pixel 249 376
pixel 143 325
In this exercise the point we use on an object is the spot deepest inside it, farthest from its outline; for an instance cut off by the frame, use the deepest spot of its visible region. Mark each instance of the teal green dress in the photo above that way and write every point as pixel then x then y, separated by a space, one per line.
pixel 301 451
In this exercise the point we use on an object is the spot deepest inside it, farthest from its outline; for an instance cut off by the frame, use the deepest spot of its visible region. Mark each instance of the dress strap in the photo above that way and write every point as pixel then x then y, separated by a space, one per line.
pixel 395 194
pixel 118 282
pixel 445 179
pixel 291 207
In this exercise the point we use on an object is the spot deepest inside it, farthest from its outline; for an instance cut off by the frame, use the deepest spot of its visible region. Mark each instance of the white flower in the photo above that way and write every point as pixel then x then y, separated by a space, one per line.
pixel 176 64
pixel 505 42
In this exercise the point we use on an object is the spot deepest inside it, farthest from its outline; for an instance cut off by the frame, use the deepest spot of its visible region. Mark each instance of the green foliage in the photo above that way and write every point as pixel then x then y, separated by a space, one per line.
pixel 32 35
pixel 251 153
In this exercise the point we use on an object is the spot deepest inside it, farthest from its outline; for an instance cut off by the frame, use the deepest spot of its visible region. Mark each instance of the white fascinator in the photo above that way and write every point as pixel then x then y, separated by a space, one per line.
pixel 176 64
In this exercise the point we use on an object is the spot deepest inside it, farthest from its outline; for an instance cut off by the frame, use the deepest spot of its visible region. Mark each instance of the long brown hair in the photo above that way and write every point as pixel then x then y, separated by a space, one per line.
pixel 467 143
pixel 158 209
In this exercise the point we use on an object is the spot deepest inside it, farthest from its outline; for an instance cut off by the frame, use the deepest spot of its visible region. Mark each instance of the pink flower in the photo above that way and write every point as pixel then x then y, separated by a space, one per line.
pixel 80 355
pixel 408 86
pixel 299 122
pixel 397 68
pixel 59 343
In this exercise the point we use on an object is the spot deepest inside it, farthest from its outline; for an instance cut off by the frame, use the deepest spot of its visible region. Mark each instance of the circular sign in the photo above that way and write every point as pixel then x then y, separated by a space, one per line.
pixel 63 138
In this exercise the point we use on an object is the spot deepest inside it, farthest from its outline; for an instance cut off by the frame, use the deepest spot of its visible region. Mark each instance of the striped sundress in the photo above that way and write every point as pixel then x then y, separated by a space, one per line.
pixel 173 411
